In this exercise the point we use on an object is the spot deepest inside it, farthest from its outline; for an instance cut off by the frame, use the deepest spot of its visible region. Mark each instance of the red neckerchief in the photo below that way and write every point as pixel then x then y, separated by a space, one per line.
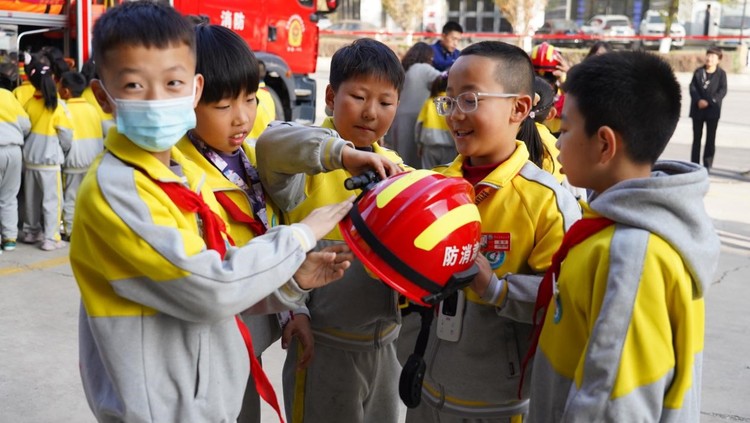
pixel 238 215
pixel 577 233
pixel 213 228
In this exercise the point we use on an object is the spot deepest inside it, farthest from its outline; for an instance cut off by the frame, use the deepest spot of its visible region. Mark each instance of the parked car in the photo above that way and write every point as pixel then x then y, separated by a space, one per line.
pixel 352 25
pixel 560 33
pixel 653 24
pixel 352 29
pixel 613 28
pixel 729 26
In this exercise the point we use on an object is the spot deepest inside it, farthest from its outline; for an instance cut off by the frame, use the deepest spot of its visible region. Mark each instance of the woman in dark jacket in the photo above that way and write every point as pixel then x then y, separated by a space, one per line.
pixel 707 90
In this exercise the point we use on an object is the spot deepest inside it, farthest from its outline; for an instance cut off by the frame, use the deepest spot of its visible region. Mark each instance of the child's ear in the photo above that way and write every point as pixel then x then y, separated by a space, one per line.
pixel 101 96
pixel 551 114
pixel 198 89
pixel 521 109
pixel 608 146
pixel 330 95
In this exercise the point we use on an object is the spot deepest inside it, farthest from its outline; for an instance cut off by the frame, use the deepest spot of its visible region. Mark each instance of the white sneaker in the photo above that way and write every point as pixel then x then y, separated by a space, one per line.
pixel 49 245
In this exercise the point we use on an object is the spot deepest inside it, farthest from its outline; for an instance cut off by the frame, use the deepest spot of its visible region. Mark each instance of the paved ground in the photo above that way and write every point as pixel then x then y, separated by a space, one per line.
pixel 39 300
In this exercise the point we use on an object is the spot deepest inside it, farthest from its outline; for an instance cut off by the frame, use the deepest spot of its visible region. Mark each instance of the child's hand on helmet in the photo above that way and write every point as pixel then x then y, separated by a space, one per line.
pixel 482 280
pixel 358 162
pixel 323 219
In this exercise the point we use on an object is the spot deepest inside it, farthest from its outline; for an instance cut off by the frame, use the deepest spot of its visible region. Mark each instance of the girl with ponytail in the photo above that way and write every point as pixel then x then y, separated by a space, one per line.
pixel 43 152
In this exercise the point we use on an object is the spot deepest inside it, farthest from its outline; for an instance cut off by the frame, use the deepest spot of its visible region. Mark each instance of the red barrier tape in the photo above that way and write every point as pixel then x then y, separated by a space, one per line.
pixel 469 35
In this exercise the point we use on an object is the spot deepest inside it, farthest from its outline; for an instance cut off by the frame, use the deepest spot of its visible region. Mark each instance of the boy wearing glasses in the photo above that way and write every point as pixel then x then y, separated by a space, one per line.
pixel 473 371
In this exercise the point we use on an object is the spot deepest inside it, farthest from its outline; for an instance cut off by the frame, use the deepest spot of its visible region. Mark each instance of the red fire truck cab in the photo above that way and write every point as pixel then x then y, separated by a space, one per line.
pixel 283 34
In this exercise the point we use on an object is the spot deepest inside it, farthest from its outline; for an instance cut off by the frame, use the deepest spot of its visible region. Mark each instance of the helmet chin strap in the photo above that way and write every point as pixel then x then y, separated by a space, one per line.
pixel 412 374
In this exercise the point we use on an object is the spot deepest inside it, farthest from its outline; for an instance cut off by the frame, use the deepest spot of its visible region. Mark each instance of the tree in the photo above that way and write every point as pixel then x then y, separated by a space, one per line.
pixel 520 12
pixel 406 13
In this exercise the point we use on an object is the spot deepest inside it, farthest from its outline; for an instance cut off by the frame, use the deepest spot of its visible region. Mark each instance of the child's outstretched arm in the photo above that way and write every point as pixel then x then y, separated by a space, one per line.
pixel 287 152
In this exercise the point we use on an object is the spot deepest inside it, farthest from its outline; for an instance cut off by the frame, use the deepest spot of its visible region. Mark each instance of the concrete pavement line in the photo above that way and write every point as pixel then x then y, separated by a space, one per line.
pixel 44 264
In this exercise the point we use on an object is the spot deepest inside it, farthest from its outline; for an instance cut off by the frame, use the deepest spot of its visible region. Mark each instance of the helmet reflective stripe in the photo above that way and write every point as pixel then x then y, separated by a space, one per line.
pixel 394 189
pixel 550 52
pixel 445 225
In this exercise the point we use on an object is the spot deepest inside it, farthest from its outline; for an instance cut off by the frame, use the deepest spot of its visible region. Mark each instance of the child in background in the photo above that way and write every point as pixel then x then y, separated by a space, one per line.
pixel 14 127
pixel 218 144
pixel 26 90
pixel 266 106
pixel 417 63
pixel 43 154
pixel 160 282
pixel 353 375
pixel 623 335
pixel 525 213
pixel 435 144
pixel 89 72
pixel 86 145
pixel 550 64
pixel 543 110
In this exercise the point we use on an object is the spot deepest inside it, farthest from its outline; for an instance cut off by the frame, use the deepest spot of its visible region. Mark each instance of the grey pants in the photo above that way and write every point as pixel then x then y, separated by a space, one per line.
pixel 71 182
pixel 342 386
pixel 11 165
pixel 426 414
pixel 42 190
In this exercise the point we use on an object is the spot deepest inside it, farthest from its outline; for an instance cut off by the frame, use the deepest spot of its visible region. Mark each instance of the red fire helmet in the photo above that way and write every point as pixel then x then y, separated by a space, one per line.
pixel 419 232
pixel 545 58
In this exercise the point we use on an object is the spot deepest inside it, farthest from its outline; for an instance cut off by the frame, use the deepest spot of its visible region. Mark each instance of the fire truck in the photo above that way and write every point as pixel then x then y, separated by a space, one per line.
pixel 283 34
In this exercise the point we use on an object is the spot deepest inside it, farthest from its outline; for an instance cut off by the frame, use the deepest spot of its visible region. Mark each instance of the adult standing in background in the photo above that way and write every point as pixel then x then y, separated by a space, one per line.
pixel 707 90
pixel 446 48
pixel 707 20
pixel 419 76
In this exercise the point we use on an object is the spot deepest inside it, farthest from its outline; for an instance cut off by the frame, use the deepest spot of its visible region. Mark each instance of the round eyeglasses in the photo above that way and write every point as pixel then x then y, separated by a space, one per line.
pixel 467 102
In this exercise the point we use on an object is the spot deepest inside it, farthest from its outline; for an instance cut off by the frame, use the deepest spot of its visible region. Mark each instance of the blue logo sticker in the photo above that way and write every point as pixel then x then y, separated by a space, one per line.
pixel 496 258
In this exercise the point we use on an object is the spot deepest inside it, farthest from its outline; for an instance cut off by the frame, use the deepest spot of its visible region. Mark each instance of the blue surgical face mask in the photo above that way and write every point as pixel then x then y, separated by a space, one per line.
pixel 154 125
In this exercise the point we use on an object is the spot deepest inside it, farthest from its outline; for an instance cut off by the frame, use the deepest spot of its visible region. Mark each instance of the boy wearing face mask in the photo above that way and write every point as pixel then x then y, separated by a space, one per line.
pixel 161 282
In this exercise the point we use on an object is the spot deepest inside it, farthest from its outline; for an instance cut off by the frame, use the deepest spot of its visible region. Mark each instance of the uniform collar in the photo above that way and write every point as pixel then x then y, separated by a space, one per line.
pixel 125 150
pixel 503 173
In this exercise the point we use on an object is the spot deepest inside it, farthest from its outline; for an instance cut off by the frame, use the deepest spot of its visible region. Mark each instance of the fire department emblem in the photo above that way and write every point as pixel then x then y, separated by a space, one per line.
pixel 295 29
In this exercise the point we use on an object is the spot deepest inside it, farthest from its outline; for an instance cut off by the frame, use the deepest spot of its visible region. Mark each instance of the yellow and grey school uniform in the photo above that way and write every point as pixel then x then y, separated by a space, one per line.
pixel 107 120
pixel 625 342
pixel 14 127
pixel 43 154
pixel 550 162
pixel 24 92
pixel 158 338
pixel 354 375
pixel 264 329
pixel 266 113
pixel 86 145
pixel 525 214
pixel 434 136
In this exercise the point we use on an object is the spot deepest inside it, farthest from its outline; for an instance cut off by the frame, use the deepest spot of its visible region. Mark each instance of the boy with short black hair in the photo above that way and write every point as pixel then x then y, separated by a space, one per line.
pixel 86 145
pixel 160 286
pixel 473 371
pixel 353 375
pixel 622 339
